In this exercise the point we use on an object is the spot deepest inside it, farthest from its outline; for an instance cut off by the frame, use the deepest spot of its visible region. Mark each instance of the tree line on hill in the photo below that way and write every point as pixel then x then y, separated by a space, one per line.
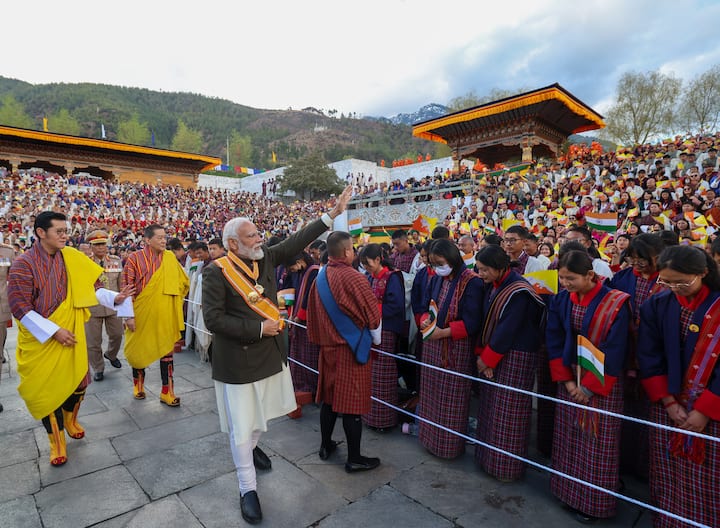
pixel 245 136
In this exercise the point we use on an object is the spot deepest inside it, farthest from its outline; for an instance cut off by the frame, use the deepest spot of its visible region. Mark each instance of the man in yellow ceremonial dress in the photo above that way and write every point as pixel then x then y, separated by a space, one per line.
pixel 50 288
pixel 160 285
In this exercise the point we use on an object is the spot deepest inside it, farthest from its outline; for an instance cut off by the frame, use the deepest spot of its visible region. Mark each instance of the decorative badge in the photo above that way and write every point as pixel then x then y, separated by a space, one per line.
pixel 253 297
pixel 694 328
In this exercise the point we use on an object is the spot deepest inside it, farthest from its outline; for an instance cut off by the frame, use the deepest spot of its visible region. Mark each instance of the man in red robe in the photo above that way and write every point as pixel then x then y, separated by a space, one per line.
pixel 344 384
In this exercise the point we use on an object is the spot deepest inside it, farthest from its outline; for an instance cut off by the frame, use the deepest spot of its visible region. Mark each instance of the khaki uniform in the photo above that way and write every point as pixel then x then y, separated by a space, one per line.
pixel 7 255
pixel 99 314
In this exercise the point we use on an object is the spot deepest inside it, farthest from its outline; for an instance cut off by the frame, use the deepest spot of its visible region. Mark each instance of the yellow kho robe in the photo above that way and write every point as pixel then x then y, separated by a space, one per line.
pixel 158 314
pixel 50 372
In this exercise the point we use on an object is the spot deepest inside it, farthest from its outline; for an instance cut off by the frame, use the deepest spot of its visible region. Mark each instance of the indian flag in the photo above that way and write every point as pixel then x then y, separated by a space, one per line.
pixel 432 317
pixel 469 260
pixel 543 282
pixel 288 294
pixel 355 226
pixel 602 221
pixel 590 358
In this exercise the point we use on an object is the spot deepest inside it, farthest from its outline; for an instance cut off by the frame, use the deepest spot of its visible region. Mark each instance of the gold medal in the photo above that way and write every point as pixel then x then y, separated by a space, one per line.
pixel 694 328
pixel 253 297
pixel 259 288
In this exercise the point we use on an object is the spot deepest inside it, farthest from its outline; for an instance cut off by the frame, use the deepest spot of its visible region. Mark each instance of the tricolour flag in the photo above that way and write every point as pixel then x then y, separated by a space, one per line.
pixel 602 221
pixel 543 282
pixel 355 226
pixel 469 260
pixel 432 317
pixel 590 358
pixel 288 294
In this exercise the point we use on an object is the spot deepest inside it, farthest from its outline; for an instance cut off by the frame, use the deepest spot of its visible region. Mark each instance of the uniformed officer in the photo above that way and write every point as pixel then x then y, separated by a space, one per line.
pixel 112 265
pixel 7 255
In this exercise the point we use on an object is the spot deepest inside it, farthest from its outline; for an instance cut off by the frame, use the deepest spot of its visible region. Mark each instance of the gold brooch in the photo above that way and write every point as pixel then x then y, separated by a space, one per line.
pixel 253 297
pixel 259 288
pixel 694 328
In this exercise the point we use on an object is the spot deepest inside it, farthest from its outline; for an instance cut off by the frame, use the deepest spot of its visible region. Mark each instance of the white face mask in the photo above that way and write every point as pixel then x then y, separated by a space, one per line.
pixel 443 270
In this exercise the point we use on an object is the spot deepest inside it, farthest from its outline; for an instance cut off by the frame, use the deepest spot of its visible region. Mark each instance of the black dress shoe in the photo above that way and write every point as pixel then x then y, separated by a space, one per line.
pixel 325 452
pixel 1 407
pixel 114 362
pixel 99 376
pixel 261 460
pixel 364 464
pixel 250 507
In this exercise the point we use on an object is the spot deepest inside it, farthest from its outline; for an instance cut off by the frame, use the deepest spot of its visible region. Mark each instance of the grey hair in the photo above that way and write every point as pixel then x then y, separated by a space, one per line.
pixel 230 231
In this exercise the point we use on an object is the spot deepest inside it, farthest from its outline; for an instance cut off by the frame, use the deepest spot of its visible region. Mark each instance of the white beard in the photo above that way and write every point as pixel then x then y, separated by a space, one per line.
pixel 250 253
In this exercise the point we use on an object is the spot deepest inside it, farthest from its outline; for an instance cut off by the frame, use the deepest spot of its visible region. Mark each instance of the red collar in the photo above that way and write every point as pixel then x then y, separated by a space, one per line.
pixel 384 272
pixel 589 296
pixel 697 301
pixel 497 283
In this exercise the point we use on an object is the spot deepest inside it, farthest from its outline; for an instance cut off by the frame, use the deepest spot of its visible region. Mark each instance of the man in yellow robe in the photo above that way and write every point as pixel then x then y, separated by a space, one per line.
pixel 160 285
pixel 50 288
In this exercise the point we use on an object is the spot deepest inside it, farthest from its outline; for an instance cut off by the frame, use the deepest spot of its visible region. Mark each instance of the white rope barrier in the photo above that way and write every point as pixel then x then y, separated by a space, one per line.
pixel 542 396
pixel 513 455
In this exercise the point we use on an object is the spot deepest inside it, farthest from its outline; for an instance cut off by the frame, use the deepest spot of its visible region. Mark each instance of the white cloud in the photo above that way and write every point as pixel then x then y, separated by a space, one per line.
pixel 375 57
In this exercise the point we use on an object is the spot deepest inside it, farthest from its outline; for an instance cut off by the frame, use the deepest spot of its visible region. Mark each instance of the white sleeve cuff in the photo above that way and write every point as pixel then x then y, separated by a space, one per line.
pixel 377 334
pixel 327 220
pixel 41 328
pixel 107 299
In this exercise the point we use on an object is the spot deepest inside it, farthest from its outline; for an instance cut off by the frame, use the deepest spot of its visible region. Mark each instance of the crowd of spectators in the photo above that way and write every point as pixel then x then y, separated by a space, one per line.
pixel 125 209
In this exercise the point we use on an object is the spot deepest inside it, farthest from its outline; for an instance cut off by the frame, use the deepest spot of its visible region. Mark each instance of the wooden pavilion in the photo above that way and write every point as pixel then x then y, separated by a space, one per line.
pixel 25 149
pixel 527 126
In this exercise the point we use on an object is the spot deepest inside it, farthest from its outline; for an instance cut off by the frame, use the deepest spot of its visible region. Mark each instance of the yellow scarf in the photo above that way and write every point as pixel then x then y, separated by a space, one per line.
pixel 50 372
pixel 158 314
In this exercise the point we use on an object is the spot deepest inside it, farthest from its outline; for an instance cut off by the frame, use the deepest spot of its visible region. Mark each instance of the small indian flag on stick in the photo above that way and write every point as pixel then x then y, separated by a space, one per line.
pixel 590 358
pixel 602 221
pixel 431 316
pixel 355 226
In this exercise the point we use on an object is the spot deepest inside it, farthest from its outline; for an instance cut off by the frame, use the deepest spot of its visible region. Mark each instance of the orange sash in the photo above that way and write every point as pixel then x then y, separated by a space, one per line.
pixel 261 305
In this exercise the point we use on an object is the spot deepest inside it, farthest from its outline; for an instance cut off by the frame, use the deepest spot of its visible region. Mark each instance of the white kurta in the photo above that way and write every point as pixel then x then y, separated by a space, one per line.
pixel 251 405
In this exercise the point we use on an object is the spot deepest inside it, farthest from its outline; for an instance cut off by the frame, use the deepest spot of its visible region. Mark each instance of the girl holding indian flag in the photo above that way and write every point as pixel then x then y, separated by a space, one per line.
pixel 587 337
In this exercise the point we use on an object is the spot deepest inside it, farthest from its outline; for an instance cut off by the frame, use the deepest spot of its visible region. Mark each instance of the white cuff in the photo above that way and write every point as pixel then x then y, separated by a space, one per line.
pixel 377 335
pixel 327 220
pixel 41 328
pixel 261 329
pixel 107 299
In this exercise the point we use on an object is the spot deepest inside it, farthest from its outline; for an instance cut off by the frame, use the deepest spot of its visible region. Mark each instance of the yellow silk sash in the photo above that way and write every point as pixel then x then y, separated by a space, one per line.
pixel 158 314
pixel 259 304
pixel 50 372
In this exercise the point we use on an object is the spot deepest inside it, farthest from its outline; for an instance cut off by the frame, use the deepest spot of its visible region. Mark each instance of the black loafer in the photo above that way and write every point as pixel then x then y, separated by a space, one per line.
pixel 261 460
pixel 366 464
pixel 114 362
pixel 250 507
pixel 325 452
pixel 99 376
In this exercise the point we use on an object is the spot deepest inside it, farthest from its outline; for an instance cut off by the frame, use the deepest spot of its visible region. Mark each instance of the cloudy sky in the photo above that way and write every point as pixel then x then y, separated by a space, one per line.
pixel 373 57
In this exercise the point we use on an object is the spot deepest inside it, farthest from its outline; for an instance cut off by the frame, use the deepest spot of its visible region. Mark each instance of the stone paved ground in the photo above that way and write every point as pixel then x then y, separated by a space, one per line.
pixel 143 464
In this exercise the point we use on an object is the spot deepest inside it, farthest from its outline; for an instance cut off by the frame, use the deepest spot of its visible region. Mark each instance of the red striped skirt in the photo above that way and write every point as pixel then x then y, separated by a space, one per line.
pixel 344 384
pixel 591 454
pixel 504 416
pixel 445 398
pixel 680 486
pixel 384 385
pixel 306 353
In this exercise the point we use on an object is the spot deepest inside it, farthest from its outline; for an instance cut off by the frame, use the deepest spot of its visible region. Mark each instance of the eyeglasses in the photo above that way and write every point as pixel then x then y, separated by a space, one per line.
pixel 511 240
pixel 676 285
pixel 636 261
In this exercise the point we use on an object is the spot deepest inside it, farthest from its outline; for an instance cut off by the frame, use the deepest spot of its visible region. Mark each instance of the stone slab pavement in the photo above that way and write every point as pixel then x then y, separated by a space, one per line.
pixel 143 464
